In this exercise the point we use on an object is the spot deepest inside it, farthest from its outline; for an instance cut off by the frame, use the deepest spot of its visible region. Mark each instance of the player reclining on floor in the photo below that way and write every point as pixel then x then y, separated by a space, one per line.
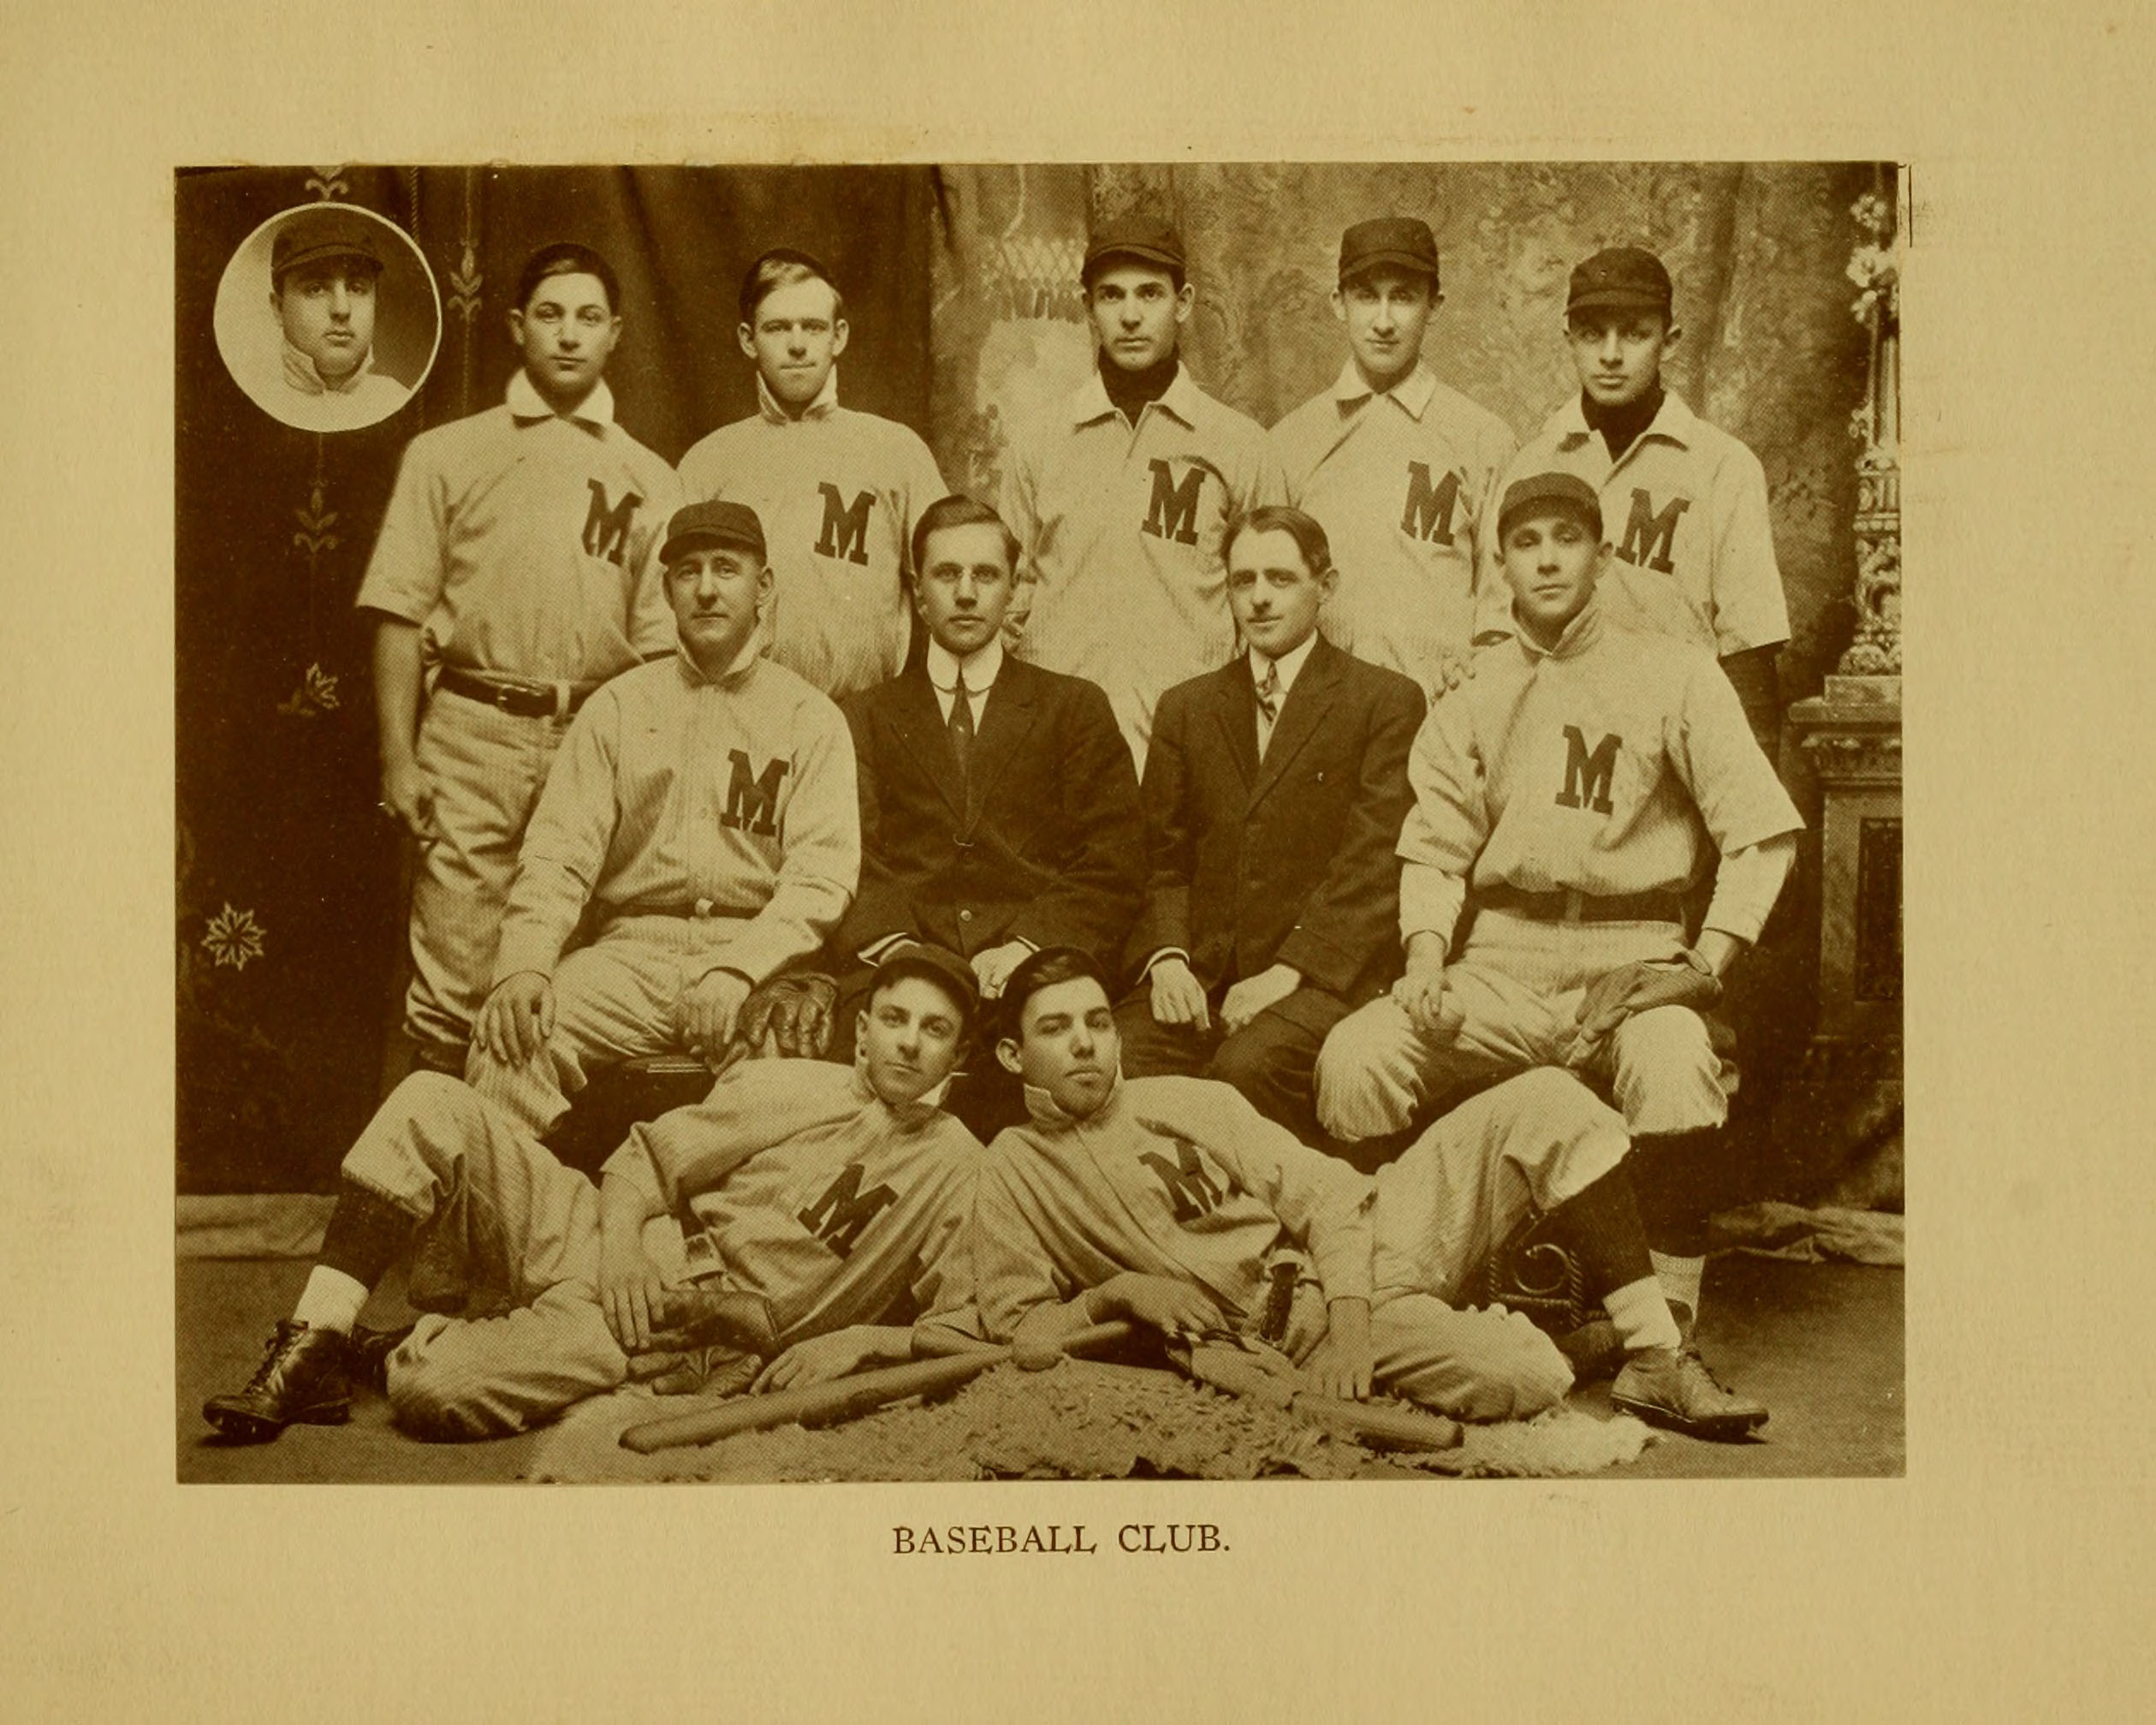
pixel 821 1198
pixel 1164 1200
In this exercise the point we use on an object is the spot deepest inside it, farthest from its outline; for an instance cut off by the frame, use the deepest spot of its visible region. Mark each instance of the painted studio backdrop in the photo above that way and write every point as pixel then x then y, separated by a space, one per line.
pixel 961 289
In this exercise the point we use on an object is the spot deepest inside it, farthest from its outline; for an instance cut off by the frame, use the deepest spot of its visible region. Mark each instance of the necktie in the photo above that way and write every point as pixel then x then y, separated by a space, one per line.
pixel 1269 704
pixel 961 730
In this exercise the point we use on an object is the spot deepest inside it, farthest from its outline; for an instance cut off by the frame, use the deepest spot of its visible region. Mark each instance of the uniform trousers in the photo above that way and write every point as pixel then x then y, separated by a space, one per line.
pixel 487 768
pixel 1519 983
pixel 503 1229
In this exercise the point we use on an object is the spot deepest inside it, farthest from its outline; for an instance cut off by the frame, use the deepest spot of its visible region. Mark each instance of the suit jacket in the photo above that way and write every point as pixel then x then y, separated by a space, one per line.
pixel 1052 850
pixel 1291 860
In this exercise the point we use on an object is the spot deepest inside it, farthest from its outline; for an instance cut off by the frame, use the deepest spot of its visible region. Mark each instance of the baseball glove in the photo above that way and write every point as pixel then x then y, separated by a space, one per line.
pixel 1639 987
pixel 788 1017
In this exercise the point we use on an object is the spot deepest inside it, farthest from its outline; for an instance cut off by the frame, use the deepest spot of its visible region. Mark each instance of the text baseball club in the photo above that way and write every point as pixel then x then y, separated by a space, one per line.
pixel 1002 1539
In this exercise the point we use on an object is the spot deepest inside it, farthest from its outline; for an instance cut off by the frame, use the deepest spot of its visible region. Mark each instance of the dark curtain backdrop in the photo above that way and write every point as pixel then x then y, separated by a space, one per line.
pixel 289 924
pixel 962 294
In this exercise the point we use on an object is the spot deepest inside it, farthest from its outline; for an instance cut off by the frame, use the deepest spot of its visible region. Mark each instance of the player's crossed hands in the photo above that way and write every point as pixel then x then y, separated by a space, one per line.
pixel 517 1019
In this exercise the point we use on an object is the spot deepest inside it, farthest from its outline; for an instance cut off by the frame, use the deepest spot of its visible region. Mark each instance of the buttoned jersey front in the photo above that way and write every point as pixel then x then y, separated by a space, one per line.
pixel 817 1195
pixel 674 792
pixel 838 492
pixel 1178 1177
pixel 1401 482
pixel 1604 766
pixel 1684 509
pixel 526 543
pixel 1120 531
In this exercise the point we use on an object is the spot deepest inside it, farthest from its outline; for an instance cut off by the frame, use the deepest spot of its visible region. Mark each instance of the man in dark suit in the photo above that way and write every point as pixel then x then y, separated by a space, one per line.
pixel 999 807
pixel 1275 793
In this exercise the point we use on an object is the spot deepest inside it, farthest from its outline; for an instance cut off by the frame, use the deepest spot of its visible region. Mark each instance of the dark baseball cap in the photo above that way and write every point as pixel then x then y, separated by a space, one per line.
pixel 1621 276
pixel 329 232
pixel 1546 494
pixel 939 965
pixel 1144 239
pixel 713 523
pixel 1405 242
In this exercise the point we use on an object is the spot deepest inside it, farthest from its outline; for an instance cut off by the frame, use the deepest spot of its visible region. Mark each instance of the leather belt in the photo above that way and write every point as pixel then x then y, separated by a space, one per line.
pixel 523 700
pixel 1581 907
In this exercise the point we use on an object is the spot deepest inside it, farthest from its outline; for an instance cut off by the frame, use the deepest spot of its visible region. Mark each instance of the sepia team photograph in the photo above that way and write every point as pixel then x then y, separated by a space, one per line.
pixel 1066 821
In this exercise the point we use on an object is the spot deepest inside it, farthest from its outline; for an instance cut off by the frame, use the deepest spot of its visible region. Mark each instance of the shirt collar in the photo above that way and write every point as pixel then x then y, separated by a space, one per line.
pixel 912 1115
pixel 595 413
pixel 1580 633
pixel 1672 420
pixel 1412 393
pixel 983 666
pixel 751 649
pixel 300 372
pixel 1291 665
pixel 1090 402
pixel 825 404
pixel 1049 1113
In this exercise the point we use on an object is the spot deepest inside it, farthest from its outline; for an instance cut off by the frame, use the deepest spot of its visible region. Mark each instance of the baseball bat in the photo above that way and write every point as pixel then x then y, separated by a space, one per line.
pixel 842 1399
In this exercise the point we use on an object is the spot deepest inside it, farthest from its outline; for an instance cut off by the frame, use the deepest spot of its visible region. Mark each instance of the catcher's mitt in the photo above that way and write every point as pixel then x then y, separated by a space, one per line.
pixel 1638 987
pixel 788 1017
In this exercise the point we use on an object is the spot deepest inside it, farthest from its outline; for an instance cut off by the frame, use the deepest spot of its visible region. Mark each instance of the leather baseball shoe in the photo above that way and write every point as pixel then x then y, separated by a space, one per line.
pixel 304 1378
pixel 1673 1387
pixel 370 1351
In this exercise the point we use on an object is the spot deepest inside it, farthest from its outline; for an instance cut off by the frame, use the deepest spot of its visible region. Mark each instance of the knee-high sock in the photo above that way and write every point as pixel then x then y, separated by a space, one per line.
pixel 364 1237
pixel 1602 1226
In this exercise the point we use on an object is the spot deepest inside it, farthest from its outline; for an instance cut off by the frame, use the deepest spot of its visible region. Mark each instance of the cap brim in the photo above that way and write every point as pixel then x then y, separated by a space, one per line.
pixel 1618 298
pixel 679 543
pixel 315 254
pixel 1136 254
pixel 1388 261
pixel 1533 506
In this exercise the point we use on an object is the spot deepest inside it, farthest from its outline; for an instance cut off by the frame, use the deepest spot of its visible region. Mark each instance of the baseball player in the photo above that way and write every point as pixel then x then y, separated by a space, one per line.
pixel 1683 502
pixel 1275 792
pixel 516 570
pixel 1168 1200
pixel 1398 468
pixel 837 490
pixel 701 819
pixel 820 1203
pixel 1121 498
pixel 1572 784
pixel 324 266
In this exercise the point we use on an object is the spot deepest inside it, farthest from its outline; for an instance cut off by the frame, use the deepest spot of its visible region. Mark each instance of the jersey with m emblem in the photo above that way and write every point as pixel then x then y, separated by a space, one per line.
pixel 607 525
pixel 1650 539
pixel 839 1216
pixel 752 798
pixel 845 527
pixel 1172 513
pixel 1588 777
pixel 1186 1183
pixel 1429 511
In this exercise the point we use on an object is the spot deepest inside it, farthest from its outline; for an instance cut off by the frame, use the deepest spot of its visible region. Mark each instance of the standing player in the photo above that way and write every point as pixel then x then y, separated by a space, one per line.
pixel 1683 502
pixel 1400 468
pixel 837 490
pixel 1273 796
pixel 1121 499
pixel 1570 784
pixel 819 1198
pixel 516 571
pixel 701 818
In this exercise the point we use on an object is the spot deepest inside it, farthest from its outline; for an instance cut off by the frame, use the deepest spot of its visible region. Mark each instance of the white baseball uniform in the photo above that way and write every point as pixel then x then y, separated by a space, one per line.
pixel 809 1192
pixel 1400 481
pixel 525 546
pixel 1601 777
pixel 838 492
pixel 1119 530
pixel 698 823
pixel 1181 1177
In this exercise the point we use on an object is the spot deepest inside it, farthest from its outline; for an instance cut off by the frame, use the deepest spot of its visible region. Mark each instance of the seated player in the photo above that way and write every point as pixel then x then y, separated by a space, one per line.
pixel 1574 783
pixel 700 819
pixel 998 810
pixel 1273 795
pixel 821 1200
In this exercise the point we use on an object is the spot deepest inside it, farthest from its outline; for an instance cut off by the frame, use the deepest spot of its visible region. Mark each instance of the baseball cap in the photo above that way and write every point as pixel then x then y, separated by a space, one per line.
pixel 715 522
pixel 1565 492
pixel 328 232
pixel 1404 242
pixel 1146 238
pixel 1622 276
pixel 938 964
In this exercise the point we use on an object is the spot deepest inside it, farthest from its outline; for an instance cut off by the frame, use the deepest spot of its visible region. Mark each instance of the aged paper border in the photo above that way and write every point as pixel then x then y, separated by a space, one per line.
pixel 2003 1576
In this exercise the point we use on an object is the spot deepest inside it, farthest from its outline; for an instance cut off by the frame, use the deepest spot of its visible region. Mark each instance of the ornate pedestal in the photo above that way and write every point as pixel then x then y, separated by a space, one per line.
pixel 1852 734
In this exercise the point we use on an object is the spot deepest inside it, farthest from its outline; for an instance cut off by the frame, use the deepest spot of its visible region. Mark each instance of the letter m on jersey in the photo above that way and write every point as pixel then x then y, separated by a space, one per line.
pixel 1429 513
pixel 1173 513
pixel 1588 777
pixel 846 531
pixel 752 799
pixel 1649 537
pixel 1185 1181
pixel 606 527
pixel 838 1217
